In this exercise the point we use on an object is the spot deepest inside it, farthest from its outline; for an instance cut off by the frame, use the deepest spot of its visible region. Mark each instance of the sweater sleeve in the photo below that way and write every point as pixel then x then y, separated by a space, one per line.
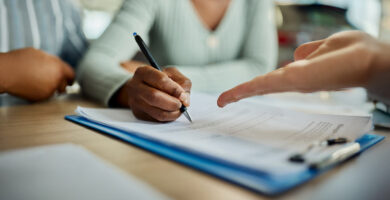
pixel 258 54
pixel 99 73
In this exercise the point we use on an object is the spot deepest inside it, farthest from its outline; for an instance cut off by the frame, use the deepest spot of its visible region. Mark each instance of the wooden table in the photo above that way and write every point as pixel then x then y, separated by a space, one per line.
pixel 365 177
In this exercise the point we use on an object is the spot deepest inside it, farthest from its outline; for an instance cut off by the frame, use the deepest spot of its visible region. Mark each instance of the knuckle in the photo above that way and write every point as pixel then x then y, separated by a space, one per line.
pixel 173 106
pixel 176 106
pixel 187 84
pixel 176 92
pixel 163 78
pixel 143 69
pixel 170 69
pixel 167 70
pixel 153 96
pixel 140 71
pixel 161 116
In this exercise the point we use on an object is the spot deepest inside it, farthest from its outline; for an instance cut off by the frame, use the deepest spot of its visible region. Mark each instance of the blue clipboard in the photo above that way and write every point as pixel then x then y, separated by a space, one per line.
pixel 254 180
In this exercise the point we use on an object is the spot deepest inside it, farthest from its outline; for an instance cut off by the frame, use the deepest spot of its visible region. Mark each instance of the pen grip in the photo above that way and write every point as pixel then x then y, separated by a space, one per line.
pixel 154 64
pixel 183 108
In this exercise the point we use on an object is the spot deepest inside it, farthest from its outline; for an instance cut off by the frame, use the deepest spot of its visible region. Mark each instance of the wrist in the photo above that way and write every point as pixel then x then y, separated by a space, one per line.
pixel 120 98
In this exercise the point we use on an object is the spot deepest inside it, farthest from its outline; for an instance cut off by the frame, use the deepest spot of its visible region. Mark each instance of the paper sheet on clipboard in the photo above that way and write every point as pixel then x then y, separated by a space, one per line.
pixel 245 133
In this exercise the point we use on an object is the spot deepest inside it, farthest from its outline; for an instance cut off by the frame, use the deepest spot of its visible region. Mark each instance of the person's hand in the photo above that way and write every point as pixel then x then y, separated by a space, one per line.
pixel 33 74
pixel 153 95
pixel 131 65
pixel 347 59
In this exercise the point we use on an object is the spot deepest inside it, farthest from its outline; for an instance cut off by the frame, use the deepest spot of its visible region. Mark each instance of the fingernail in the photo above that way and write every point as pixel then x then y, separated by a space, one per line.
pixel 187 101
pixel 183 97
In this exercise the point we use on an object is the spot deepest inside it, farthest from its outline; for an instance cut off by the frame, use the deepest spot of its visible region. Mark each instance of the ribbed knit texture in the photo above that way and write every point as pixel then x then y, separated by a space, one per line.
pixel 243 45
pixel 53 26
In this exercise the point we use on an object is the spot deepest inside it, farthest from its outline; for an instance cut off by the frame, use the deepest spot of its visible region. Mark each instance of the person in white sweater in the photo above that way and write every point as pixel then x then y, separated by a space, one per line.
pixel 213 44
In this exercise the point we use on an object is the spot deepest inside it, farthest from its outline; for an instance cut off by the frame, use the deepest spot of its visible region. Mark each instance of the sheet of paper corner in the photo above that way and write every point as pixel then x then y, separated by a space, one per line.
pixel 66 171
pixel 272 125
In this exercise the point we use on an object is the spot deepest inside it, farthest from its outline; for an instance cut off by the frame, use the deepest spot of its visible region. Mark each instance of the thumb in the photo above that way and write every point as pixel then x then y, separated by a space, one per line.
pixel 306 49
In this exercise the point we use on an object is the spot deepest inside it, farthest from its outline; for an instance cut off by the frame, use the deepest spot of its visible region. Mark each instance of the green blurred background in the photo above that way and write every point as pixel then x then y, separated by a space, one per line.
pixel 298 21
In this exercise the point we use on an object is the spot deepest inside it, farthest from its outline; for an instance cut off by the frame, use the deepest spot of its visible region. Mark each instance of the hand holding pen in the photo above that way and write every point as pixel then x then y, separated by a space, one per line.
pixel 156 95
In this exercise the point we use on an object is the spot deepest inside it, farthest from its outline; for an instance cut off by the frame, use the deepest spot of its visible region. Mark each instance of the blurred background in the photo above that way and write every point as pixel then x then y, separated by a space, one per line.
pixel 298 21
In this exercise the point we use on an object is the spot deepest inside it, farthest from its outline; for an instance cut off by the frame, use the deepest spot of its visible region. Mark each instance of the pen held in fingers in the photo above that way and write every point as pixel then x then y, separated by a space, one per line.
pixel 154 64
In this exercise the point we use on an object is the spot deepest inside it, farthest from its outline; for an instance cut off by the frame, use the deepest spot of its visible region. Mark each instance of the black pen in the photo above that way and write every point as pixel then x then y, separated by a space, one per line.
pixel 154 64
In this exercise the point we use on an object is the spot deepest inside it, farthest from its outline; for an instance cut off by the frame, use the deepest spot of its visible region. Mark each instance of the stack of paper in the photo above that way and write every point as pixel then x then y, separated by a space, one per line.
pixel 256 136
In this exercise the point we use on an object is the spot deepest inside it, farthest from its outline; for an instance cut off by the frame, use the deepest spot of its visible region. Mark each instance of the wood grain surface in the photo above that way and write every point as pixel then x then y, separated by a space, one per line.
pixel 21 126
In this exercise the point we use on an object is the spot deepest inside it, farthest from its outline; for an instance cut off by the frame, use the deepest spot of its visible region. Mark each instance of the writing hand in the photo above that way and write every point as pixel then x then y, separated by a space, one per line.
pixel 157 96
pixel 132 65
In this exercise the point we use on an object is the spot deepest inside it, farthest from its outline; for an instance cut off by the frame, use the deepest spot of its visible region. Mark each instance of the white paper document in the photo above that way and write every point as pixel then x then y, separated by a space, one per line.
pixel 256 136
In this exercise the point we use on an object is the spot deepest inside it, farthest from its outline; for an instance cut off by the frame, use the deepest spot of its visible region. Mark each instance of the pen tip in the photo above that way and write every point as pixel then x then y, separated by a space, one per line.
pixel 135 34
pixel 185 113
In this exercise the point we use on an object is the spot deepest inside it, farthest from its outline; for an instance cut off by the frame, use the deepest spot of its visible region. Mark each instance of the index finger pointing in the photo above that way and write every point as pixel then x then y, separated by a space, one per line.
pixel 289 78
pixel 248 89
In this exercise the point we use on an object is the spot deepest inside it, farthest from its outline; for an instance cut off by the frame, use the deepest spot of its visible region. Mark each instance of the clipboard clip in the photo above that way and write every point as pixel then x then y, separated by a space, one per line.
pixel 337 156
